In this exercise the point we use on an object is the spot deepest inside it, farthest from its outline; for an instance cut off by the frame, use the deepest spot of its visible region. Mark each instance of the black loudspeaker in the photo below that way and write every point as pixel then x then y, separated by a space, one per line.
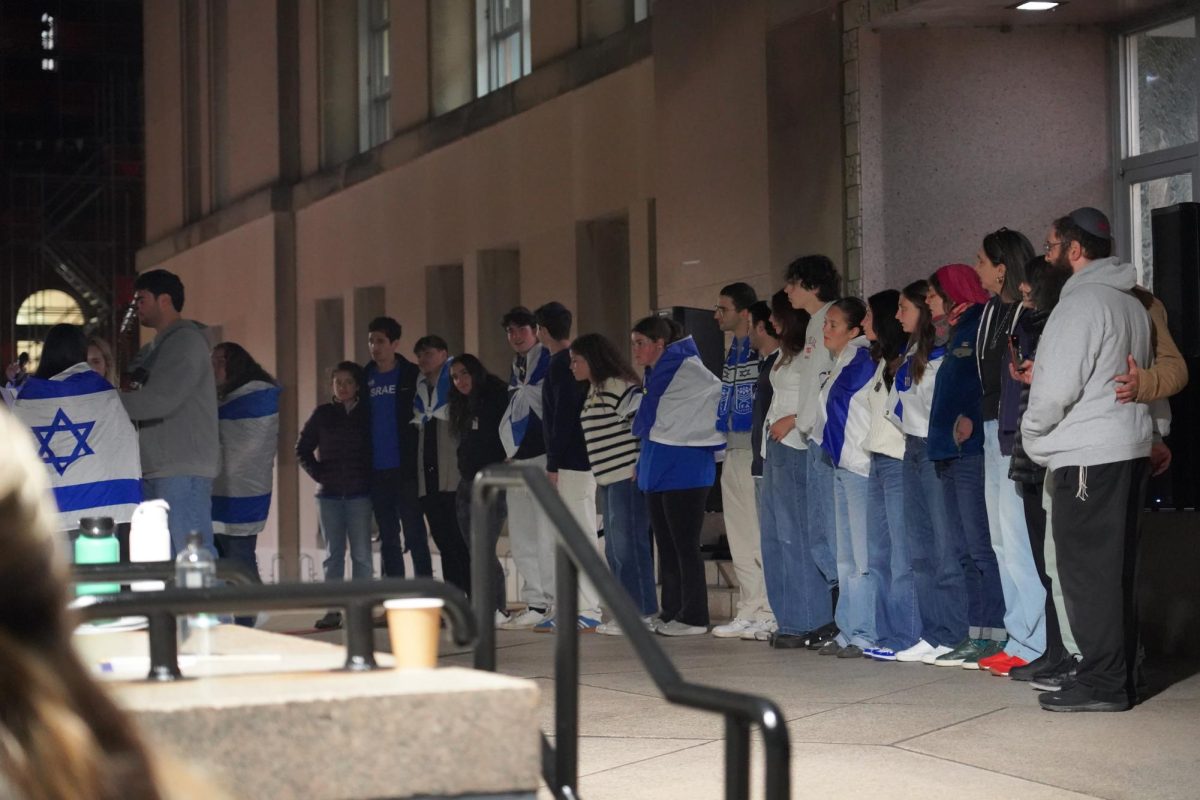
pixel 1176 241
pixel 701 325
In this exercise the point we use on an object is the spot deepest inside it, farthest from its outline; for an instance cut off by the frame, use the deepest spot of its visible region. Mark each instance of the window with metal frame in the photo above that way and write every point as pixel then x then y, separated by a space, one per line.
pixel 503 42
pixel 375 75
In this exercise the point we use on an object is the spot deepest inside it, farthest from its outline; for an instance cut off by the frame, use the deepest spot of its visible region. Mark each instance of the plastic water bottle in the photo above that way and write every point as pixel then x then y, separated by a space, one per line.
pixel 149 539
pixel 97 544
pixel 195 568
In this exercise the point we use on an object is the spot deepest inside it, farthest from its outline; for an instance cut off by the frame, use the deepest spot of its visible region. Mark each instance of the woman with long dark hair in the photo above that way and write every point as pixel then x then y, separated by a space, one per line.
pixel 1000 264
pixel 842 422
pixel 335 450
pixel 956 300
pixel 941 601
pixel 477 404
pixel 248 426
pixel 897 621
pixel 676 467
pixel 614 395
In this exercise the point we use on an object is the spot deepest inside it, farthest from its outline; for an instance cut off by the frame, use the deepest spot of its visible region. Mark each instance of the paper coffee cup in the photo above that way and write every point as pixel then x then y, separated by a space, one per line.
pixel 414 626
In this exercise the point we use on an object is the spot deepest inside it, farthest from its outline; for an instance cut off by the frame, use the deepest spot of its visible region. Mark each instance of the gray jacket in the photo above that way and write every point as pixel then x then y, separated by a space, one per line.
pixel 176 408
pixel 1074 419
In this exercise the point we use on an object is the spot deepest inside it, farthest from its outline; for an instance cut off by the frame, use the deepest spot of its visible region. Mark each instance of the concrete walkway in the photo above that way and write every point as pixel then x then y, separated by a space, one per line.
pixel 861 728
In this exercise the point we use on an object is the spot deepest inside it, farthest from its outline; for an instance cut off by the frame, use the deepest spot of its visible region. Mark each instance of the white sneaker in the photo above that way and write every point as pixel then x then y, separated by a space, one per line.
pixel 677 628
pixel 760 631
pixel 915 653
pixel 938 652
pixel 610 629
pixel 501 618
pixel 734 628
pixel 526 620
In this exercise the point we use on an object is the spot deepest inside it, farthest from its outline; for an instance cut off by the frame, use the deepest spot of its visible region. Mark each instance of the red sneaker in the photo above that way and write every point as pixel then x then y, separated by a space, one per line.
pixel 1001 669
pixel 993 660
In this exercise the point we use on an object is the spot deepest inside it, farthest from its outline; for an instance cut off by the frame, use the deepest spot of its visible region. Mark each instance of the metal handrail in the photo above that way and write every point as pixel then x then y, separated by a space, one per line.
pixel 357 599
pixel 575 553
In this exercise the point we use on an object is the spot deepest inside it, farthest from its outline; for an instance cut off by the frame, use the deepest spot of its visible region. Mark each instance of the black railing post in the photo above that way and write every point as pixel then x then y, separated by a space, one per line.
pixel 566 669
pixel 164 647
pixel 483 501
pixel 737 759
pixel 360 637
pixel 778 749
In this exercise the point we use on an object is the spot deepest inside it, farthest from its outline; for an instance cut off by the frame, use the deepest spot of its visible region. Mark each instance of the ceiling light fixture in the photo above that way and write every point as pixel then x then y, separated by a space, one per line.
pixel 1036 5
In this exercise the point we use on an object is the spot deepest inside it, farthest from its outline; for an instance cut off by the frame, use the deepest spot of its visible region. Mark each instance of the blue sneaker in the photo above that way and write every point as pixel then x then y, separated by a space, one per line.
pixel 584 625
pixel 882 653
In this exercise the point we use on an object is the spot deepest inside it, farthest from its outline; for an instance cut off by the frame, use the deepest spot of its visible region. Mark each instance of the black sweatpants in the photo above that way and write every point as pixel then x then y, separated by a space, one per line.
pixel 677 516
pixel 1035 522
pixel 442 515
pixel 1095 512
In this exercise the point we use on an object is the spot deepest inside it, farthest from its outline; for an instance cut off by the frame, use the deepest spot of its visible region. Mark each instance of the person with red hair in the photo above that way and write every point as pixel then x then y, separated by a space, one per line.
pixel 956 299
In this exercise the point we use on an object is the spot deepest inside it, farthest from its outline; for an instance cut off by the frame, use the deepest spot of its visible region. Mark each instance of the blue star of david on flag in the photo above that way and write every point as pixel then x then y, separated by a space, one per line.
pixel 62 424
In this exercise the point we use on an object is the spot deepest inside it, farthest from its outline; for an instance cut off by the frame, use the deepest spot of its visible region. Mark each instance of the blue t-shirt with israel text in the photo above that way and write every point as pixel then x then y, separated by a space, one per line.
pixel 385 438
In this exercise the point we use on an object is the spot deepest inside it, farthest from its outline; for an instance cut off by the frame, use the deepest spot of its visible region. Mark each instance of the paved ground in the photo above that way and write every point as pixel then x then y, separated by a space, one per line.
pixel 860 728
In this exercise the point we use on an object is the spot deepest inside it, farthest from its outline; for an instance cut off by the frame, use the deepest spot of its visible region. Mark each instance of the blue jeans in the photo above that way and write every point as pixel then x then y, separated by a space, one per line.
pixel 190 498
pixel 937 575
pixel 897 621
pixel 1024 594
pixel 966 515
pixel 855 613
pixel 627 542
pixel 821 523
pixel 346 519
pixel 798 593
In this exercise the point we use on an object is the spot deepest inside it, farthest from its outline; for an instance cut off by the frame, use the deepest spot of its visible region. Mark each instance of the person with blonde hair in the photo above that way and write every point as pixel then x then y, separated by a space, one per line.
pixel 100 359
pixel 63 738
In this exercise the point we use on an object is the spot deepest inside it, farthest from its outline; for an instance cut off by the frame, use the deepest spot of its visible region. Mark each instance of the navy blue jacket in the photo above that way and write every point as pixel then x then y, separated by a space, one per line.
pixel 562 403
pixel 958 392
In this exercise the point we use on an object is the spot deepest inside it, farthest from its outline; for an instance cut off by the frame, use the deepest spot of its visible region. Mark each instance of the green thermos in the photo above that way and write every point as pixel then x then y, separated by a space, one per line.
pixel 97 544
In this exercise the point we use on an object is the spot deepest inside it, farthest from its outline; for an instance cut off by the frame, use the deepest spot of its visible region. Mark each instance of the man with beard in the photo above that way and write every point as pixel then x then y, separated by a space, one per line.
pixel 1097 452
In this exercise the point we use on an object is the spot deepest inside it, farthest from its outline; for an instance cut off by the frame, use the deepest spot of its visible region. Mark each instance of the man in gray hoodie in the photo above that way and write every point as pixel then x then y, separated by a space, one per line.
pixel 175 409
pixel 1097 451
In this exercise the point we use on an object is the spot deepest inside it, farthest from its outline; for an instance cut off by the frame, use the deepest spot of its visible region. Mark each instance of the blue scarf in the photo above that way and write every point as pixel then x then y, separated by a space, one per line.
pixel 739 380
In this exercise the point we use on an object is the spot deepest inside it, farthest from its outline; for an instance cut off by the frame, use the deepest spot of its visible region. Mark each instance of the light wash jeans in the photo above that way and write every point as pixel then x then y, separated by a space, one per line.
pixel 897 621
pixel 796 589
pixel 190 498
pixel 346 519
pixel 627 542
pixel 1024 595
pixel 821 524
pixel 855 613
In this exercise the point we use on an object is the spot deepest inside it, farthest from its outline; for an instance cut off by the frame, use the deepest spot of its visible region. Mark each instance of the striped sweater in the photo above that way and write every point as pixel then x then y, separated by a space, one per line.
pixel 606 419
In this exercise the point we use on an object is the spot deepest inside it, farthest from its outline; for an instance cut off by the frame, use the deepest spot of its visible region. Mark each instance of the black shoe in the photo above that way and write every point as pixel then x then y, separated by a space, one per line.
pixel 1075 697
pixel 788 641
pixel 1030 670
pixel 329 622
pixel 817 638
pixel 1055 678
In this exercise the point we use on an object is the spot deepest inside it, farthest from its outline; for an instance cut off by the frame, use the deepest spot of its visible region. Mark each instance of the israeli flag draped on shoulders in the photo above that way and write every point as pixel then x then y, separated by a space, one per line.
pixel 845 413
pixel 87 442
pixel 248 424
pixel 524 398
pixel 680 403
pixel 439 407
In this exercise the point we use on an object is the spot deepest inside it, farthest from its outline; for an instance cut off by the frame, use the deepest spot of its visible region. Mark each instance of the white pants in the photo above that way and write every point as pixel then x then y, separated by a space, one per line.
pixel 745 541
pixel 528 527
pixel 578 491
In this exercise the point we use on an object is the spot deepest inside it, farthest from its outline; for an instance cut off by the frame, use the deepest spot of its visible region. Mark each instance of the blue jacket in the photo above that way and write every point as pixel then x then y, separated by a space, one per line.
pixel 958 392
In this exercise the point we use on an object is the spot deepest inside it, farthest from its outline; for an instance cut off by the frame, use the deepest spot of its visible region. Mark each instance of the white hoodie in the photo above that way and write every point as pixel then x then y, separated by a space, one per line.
pixel 1074 418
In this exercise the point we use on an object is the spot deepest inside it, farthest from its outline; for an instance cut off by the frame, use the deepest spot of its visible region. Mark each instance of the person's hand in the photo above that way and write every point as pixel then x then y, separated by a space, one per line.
pixel 1127 387
pixel 553 476
pixel 1023 373
pixel 782 427
pixel 963 428
pixel 12 371
pixel 1160 458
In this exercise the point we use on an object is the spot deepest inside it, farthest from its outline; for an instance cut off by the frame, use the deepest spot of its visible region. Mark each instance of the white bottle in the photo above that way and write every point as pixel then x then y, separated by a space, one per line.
pixel 195 568
pixel 149 539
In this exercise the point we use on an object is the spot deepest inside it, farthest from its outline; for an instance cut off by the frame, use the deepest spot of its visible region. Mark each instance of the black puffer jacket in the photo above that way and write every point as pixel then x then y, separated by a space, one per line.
pixel 344 442
pixel 1029 334
pixel 480 445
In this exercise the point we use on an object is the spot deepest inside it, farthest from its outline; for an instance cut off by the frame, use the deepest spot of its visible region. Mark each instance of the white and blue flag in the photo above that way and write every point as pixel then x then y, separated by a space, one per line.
pixel 248 424
pixel 439 406
pixel 681 399
pixel 87 442
pixel 524 398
